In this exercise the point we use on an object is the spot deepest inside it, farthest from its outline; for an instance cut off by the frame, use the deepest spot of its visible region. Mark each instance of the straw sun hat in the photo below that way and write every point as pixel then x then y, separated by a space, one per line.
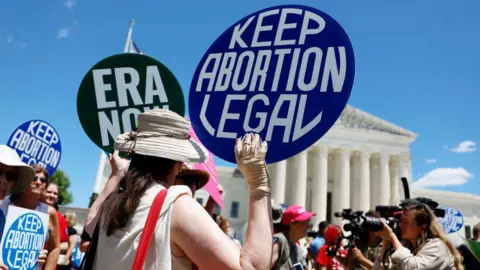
pixel 162 133
pixel 10 158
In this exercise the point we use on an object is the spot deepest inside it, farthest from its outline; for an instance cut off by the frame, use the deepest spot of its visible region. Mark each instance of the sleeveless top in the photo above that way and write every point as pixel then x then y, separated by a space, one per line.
pixel 118 250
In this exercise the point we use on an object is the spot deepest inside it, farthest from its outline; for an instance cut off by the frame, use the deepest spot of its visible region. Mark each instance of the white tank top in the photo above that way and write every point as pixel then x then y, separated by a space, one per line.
pixel 118 250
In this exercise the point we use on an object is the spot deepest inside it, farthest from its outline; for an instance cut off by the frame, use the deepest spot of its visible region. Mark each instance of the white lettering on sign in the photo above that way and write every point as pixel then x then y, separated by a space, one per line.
pixel 294 103
pixel 37 144
pixel 127 79
pixel 306 69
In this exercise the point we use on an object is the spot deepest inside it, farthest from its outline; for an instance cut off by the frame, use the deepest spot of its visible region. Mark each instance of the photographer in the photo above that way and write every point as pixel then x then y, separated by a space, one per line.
pixel 429 247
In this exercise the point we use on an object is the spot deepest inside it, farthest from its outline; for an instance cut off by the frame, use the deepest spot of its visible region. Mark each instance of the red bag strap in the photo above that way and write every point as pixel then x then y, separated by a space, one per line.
pixel 149 230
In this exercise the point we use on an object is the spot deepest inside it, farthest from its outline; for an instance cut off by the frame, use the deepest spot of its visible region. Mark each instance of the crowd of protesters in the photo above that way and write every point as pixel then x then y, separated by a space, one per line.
pixel 188 236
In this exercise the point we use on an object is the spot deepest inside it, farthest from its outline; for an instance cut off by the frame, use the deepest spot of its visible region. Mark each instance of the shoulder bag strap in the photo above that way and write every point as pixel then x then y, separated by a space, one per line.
pixel 89 257
pixel 149 230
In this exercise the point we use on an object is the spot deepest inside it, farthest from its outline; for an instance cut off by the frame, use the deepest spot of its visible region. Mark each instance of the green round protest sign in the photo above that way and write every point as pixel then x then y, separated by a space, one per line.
pixel 120 87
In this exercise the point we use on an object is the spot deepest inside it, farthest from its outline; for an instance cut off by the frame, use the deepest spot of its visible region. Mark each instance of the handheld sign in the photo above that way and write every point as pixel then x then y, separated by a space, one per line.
pixel 120 87
pixel 37 142
pixel 452 221
pixel 284 72
pixel 77 255
pixel 23 238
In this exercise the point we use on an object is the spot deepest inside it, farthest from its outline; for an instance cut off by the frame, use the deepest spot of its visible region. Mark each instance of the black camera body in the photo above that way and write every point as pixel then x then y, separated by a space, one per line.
pixel 358 223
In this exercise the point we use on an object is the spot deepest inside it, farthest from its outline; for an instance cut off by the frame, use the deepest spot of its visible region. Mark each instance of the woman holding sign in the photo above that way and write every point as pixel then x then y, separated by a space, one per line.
pixel 29 197
pixel 184 232
pixel 15 175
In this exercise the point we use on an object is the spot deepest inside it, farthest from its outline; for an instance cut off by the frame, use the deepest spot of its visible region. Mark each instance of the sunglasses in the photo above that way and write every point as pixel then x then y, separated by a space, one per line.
pixel 42 179
pixel 11 176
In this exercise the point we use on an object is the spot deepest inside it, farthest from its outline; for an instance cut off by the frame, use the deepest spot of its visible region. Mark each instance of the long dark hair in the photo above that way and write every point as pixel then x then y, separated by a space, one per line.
pixel 120 204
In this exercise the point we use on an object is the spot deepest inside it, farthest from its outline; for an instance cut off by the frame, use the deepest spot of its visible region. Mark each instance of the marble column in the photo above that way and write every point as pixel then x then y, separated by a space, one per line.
pixel 394 182
pixel 279 181
pixel 355 181
pixel 364 189
pixel 342 187
pixel 299 189
pixel 375 181
pixel 320 185
pixel 384 195
pixel 404 171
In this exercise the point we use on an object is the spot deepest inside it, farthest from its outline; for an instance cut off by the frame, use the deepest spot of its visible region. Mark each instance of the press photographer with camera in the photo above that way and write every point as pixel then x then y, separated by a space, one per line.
pixel 428 244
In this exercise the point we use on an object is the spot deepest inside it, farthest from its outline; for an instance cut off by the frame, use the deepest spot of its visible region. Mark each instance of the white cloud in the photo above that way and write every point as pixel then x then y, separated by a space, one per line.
pixel 10 39
pixel 70 4
pixel 431 161
pixel 64 32
pixel 465 147
pixel 443 177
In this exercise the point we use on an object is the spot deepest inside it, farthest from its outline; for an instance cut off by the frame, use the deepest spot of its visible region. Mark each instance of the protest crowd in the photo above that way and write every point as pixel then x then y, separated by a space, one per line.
pixel 122 232
pixel 146 216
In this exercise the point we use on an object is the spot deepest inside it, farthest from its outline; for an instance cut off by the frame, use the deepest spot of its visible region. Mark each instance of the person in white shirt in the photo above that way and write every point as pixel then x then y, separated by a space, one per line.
pixel 158 149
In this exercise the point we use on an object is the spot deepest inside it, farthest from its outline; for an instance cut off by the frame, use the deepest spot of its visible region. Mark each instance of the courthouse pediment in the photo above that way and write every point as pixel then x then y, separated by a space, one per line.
pixel 355 118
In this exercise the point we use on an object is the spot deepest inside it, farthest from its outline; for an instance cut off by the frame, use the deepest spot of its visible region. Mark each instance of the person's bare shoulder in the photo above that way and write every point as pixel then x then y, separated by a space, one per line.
pixel 52 211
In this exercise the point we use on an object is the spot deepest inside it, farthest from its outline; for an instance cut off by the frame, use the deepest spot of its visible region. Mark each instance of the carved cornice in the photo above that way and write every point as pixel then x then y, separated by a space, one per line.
pixel 355 118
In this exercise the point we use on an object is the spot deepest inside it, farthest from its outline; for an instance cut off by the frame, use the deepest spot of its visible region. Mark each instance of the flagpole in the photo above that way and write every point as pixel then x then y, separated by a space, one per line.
pixel 129 36
pixel 103 157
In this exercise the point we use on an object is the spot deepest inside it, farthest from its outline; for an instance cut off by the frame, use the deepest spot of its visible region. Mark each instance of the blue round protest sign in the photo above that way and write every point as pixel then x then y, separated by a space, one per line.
pixel 37 142
pixel 452 221
pixel 77 255
pixel 284 72
pixel 24 240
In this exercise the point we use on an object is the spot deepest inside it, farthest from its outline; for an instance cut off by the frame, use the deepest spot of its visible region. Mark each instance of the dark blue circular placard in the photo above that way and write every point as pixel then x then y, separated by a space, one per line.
pixel 214 93
pixel 37 142
pixel 23 242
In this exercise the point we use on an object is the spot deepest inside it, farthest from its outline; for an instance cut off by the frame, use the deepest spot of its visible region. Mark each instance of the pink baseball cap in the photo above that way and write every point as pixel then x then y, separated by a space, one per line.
pixel 296 213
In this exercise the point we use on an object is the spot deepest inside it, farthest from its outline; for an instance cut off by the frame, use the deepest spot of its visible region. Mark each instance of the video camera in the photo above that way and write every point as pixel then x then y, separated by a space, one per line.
pixel 360 226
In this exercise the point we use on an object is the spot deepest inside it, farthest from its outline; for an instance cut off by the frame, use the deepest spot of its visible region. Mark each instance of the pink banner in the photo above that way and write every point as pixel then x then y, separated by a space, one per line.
pixel 212 186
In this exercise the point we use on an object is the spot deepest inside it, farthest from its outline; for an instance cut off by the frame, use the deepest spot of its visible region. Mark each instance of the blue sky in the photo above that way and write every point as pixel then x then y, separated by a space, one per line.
pixel 416 63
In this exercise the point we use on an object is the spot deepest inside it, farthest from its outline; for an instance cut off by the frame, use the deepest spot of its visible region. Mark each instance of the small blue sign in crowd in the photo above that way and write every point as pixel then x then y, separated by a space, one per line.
pixel 452 222
pixel 285 72
pixel 77 256
pixel 37 142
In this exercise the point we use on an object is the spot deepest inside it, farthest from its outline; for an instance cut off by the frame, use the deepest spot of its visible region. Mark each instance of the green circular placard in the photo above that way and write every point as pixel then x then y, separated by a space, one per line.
pixel 120 87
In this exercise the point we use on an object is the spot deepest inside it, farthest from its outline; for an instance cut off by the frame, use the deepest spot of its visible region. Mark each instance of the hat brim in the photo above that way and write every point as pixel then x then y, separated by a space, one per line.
pixel 201 176
pixel 25 174
pixel 163 146
pixel 305 216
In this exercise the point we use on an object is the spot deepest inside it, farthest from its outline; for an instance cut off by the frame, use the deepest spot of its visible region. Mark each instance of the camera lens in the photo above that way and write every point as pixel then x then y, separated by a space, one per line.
pixel 372 224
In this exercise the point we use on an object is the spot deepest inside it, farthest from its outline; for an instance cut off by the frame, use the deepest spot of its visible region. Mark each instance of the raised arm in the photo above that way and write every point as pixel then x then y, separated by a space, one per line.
pixel 119 168
pixel 215 250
